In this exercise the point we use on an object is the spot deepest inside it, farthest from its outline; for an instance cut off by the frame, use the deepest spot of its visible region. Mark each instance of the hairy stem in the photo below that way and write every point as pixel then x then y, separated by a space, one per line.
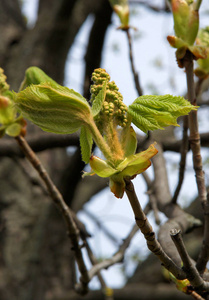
pixel 100 142
pixel 57 198
pixel 145 227
pixel 194 140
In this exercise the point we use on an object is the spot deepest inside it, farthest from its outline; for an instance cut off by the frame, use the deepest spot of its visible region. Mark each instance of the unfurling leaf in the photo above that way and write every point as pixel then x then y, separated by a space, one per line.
pixel 128 140
pixel 7 111
pixel 13 129
pixel 54 108
pixel 128 168
pixel 86 142
pixel 99 99
pixel 186 20
pixel 203 40
pixel 122 10
pixel 34 75
pixel 155 112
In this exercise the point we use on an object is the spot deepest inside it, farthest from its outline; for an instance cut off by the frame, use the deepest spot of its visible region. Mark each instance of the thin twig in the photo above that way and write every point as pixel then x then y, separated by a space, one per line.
pixel 108 293
pixel 101 226
pixel 196 296
pixel 145 227
pixel 135 74
pixel 194 137
pixel 194 140
pixel 152 197
pixel 192 274
pixel 182 164
pixel 116 258
pixel 57 198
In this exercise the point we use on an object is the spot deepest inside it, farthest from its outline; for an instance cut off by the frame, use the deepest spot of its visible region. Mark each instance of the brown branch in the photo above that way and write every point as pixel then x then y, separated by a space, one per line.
pixel 73 231
pixel 145 227
pixel 188 266
pixel 178 218
pixel 39 142
pixel 194 137
pixel 194 140
pixel 141 290
pixel 182 164
pixel 45 141
pixel 135 74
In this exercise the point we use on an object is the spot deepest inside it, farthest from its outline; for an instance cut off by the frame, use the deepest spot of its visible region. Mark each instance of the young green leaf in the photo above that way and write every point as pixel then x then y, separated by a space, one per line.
pixel 122 10
pixel 155 112
pixel 34 75
pixel 7 111
pixel 54 109
pixel 128 140
pixel 86 142
pixel 99 99
pixel 13 129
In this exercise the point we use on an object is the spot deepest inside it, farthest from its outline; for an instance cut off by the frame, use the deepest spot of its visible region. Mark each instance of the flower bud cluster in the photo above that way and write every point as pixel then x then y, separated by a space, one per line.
pixel 113 106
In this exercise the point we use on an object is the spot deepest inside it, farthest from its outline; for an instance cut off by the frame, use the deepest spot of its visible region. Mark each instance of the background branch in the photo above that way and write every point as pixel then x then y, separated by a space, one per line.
pixel 73 231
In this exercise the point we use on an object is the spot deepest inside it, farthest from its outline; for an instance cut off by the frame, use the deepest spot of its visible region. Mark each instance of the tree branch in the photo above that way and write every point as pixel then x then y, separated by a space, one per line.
pixel 145 227
pixel 116 258
pixel 194 140
pixel 177 216
pixel 192 274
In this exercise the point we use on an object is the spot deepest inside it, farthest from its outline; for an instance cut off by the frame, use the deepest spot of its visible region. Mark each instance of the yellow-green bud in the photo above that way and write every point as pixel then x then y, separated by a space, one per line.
pixel 3 84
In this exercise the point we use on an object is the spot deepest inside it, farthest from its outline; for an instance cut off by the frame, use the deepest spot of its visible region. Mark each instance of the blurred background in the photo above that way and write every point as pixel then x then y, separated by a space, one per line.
pixel 68 39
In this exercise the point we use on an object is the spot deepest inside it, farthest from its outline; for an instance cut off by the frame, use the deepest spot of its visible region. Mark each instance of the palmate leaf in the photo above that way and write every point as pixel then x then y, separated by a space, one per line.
pixel 155 112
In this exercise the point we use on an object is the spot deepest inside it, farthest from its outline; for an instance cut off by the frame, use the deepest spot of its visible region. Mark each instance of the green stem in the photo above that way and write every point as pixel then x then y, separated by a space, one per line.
pixel 113 142
pixel 99 140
